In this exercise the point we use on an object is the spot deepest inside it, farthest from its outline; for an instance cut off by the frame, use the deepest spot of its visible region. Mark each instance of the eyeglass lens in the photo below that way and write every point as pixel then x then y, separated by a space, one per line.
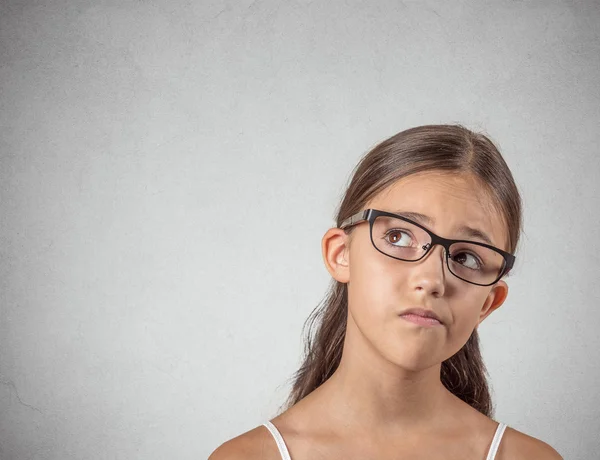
pixel 405 241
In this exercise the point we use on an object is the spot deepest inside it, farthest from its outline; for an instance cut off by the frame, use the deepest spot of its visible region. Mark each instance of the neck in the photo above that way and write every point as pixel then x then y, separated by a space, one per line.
pixel 371 392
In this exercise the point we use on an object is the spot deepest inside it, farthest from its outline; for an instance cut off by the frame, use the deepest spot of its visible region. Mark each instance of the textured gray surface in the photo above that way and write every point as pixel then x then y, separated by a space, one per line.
pixel 168 169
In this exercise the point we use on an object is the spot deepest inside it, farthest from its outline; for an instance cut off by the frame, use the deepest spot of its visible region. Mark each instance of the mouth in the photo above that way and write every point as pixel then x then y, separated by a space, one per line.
pixel 421 317
pixel 421 320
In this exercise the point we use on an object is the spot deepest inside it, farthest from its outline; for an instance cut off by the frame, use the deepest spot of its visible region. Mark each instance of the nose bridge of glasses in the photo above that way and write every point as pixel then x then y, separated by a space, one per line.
pixel 431 246
pixel 439 241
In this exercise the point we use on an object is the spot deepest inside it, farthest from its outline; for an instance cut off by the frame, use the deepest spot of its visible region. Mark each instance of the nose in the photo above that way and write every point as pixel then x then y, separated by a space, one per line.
pixel 428 274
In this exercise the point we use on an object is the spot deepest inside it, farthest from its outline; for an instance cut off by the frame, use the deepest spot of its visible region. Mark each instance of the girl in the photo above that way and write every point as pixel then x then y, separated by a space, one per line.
pixel 425 234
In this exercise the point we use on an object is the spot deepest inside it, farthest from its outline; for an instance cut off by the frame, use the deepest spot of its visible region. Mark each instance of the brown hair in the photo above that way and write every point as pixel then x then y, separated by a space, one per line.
pixel 450 148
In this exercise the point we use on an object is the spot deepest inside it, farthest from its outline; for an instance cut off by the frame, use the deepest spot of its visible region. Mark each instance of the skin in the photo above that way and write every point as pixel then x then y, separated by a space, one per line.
pixel 386 400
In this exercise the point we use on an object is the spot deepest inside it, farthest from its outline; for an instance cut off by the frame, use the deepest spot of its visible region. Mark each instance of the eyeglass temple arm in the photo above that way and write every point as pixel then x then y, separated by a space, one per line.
pixel 354 219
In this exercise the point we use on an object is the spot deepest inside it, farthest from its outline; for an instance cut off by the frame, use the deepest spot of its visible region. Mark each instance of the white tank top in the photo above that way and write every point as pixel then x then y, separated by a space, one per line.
pixel 285 455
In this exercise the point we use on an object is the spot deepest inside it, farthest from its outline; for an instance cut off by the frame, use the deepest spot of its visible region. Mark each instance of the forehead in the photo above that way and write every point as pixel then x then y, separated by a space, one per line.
pixel 450 200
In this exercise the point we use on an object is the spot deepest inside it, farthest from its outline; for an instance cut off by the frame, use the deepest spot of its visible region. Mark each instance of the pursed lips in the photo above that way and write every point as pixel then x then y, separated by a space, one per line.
pixel 422 313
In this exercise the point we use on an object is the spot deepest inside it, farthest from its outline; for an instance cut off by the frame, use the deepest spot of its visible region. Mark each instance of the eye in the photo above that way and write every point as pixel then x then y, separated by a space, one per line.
pixel 399 238
pixel 467 260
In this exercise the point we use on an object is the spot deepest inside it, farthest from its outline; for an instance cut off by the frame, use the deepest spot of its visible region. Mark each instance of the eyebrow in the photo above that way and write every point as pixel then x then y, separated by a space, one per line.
pixel 470 232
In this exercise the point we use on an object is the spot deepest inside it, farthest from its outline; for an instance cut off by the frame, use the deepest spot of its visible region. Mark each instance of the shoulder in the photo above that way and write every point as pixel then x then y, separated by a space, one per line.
pixel 517 445
pixel 257 443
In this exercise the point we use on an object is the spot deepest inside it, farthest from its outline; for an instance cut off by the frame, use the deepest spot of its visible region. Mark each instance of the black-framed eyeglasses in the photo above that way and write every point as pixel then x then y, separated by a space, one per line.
pixel 402 239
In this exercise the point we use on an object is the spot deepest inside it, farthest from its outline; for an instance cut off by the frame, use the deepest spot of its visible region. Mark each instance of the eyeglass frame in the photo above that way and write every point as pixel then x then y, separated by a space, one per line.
pixel 369 215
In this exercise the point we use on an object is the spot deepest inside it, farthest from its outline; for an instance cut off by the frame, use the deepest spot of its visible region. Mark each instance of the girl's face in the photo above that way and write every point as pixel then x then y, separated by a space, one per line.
pixel 380 287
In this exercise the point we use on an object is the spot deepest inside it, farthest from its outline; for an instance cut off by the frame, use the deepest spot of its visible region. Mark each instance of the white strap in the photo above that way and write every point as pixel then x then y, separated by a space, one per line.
pixel 496 441
pixel 285 455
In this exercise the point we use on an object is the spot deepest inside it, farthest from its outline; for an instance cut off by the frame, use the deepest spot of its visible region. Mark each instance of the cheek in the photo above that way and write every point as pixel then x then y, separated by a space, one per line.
pixel 372 297
pixel 465 315
pixel 466 308
pixel 375 286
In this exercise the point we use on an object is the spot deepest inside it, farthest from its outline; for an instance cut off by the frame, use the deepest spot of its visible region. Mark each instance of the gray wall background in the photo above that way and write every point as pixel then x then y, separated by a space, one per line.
pixel 168 169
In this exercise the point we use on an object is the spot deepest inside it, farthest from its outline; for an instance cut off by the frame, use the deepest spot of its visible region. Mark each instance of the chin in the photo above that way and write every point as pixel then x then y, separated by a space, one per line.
pixel 414 362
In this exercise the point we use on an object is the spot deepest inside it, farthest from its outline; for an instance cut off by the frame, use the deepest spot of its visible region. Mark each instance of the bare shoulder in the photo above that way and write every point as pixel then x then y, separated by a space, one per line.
pixel 254 444
pixel 516 445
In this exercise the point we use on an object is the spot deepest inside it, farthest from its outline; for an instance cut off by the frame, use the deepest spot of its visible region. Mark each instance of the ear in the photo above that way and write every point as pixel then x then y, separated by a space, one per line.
pixel 494 300
pixel 336 255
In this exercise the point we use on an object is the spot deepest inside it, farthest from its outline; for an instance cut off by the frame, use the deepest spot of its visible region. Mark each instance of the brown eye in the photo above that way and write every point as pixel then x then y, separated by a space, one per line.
pixel 467 260
pixel 399 238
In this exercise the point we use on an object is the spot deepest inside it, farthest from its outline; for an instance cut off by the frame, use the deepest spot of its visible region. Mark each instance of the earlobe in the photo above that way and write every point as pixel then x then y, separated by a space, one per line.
pixel 494 300
pixel 334 248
